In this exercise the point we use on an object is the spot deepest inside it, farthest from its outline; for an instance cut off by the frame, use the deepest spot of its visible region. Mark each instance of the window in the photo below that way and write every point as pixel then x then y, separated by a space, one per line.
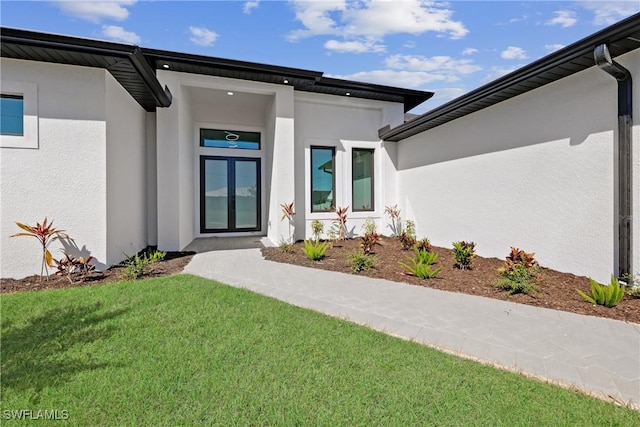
pixel 229 139
pixel 323 182
pixel 19 115
pixel 362 179
pixel 11 115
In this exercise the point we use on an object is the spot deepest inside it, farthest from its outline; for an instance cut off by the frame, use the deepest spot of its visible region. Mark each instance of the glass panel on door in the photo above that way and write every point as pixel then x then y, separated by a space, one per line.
pixel 216 195
pixel 229 194
pixel 246 194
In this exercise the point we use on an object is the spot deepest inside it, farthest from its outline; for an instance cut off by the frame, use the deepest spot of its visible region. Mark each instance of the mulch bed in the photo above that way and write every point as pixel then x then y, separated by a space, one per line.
pixel 173 263
pixel 557 290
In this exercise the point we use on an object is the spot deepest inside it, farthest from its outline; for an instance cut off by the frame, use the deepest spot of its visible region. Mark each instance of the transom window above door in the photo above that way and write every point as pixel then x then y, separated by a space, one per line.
pixel 218 138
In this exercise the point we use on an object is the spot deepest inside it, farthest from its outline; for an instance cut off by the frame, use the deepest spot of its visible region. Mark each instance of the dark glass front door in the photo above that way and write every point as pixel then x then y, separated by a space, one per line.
pixel 229 194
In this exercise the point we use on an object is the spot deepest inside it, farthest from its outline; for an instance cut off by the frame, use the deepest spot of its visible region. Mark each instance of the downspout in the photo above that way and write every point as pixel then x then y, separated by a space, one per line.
pixel 625 120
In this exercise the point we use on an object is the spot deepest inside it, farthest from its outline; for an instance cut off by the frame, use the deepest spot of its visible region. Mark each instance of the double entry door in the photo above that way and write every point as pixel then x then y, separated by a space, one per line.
pixel 229 194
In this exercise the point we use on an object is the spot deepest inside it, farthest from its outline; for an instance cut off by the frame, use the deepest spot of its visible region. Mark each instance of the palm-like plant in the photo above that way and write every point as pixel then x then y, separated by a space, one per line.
pixel 341 221
pixel 45 233
pixel 288 213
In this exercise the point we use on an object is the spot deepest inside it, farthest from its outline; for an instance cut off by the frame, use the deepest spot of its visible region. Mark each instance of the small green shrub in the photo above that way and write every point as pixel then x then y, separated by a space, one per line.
pixel 138 265
pixel 315 251
pixel 369 226
pixel 421 264
pixel 517 279
pixel 286 246
pixel 361 262
pixel 408 236
pixel 463 254
pixel 317 228
pixel 606 295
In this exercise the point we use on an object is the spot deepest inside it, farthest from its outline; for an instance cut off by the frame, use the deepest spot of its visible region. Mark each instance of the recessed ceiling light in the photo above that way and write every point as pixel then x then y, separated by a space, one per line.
pixel 165 65
pixel 230 93
pixel 348 93
pixel 286 81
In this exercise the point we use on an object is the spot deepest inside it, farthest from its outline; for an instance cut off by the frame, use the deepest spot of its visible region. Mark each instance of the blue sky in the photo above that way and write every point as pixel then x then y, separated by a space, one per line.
pixel 446 47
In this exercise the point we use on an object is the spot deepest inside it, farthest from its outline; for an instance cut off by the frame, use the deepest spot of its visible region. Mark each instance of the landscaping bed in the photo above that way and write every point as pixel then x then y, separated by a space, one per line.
pixel 556 290
pixel 174 262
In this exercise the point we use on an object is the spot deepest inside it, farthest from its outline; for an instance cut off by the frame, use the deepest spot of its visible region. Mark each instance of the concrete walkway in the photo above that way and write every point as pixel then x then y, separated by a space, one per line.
pixel 599 356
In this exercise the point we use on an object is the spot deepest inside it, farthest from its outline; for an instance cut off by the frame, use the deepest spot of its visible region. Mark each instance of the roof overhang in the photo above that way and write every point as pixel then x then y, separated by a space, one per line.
pixel 135 68
pixel 126 63
pixel 621 38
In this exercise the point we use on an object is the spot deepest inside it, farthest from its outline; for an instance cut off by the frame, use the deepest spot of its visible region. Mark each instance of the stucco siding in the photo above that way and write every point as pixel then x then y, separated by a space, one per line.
pixel 126 173
pixel 343 123
pixel 64 178
pixel 537 172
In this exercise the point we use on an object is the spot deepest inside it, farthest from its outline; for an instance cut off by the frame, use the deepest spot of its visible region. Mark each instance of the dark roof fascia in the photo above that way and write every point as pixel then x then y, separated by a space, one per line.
pixel 412 97
pixel 305 80
pixel 161 57
pixel 478 99
pixel 144 62
pixel 93 47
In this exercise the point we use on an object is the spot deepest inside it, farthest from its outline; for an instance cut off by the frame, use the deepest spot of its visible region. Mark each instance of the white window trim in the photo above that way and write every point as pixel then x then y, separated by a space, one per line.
pixel 29 93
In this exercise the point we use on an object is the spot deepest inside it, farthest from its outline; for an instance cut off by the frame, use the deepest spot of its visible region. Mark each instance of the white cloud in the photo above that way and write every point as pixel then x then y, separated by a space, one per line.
pixel 373 18
pixel 470 51
pixel 249 6
pixel 202 36
pixel 564 18
pixel 497 72
pixel 96 11
pixel 446 94
pixel 354 46
pixel 610 12
pixel 407 79
pixel 439 64
pixel 119 34
pixel 513 52
pixel 414 71
pixel 553 47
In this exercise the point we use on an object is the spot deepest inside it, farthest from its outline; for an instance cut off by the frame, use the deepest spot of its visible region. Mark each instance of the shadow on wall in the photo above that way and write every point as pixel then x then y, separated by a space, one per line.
pixel 563 111
pixel 70 247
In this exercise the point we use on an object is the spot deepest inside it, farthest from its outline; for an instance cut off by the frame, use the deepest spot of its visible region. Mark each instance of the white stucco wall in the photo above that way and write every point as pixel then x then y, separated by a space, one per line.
pixel 64 178
pixel 203 101
pixel 126 173
pixel 344 123
pixel 535 172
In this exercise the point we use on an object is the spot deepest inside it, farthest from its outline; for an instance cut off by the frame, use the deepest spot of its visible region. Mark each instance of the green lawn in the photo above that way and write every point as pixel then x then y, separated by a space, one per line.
pixel 188 351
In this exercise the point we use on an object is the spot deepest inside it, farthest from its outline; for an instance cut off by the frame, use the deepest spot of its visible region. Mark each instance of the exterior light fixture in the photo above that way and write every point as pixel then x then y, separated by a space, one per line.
pixel 230 93
pixel 348 93
pixel 165 65
pixel 286 81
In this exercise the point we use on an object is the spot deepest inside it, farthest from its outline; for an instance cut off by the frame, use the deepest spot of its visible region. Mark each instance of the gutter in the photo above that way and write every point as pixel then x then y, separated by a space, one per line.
pixel 625 179
pixel 163 97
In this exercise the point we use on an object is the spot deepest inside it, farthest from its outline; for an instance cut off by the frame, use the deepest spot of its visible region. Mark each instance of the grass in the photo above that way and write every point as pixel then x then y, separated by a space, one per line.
pixel 188 351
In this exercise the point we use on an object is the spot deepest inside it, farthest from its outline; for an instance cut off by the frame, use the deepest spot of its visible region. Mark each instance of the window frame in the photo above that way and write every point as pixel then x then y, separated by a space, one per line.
pixel 4 96
pixel 29 94
pixel 231 132
pixel 333 176
pixel 372 151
